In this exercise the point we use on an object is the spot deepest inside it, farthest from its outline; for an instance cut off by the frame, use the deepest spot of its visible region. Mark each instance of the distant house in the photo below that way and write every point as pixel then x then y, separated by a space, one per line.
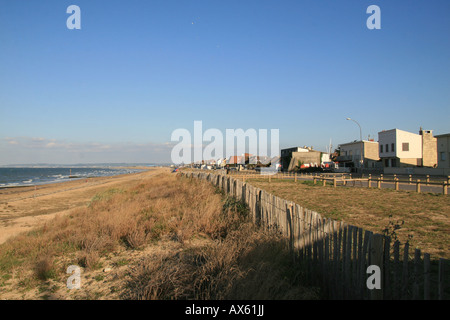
pixel 443 151
pixel 350 154
pixel 236 160
pixel 300 157
pixel 287 152
pixel 398 148
pixel 210 162
pixel 286 155
pixel 239 161
pixel 221 162
pixel 259 160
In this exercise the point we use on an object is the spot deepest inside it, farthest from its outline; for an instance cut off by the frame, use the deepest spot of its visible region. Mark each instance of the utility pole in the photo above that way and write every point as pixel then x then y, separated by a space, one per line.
pixel 360 138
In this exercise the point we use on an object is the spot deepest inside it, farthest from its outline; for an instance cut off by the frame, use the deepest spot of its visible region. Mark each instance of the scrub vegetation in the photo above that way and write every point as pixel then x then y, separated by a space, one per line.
pixel 165 237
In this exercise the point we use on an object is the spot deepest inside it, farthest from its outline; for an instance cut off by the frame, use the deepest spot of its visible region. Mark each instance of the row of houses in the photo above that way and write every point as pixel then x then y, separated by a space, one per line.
pixel 394 151
pixel 395 148
pixel 244 161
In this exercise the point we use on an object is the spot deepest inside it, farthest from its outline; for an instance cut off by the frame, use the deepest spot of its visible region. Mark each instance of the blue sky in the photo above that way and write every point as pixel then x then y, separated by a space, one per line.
pixel 115 90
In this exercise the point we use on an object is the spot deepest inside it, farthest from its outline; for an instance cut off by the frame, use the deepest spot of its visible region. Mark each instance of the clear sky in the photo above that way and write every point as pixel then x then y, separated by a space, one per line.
pixel 115 90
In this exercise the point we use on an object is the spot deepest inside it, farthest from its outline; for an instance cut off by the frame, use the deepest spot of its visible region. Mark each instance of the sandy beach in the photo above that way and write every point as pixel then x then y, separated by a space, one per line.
pixel 23 208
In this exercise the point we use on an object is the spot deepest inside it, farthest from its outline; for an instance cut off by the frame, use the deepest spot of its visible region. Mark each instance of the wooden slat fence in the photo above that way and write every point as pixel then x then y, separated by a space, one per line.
pixel 335 255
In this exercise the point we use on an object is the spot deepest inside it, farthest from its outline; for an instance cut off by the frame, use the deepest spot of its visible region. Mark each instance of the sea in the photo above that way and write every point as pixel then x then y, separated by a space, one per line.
pixel 31 176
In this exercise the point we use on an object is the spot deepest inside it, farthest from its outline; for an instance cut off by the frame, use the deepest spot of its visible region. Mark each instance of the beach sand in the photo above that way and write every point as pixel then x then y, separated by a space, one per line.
pixel 24 208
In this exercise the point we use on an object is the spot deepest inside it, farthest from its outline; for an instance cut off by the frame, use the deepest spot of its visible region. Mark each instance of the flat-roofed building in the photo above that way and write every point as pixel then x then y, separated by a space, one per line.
pixel 399 148
pixel 443 151
pixel 350 154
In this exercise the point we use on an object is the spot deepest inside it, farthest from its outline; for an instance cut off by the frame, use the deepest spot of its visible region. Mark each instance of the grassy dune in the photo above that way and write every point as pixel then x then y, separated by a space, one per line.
pixel 160 238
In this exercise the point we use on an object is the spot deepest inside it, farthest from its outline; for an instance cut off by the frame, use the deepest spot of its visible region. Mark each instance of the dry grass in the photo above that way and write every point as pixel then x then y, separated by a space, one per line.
pixel 425 216
pixel 245 265
pixel 134 224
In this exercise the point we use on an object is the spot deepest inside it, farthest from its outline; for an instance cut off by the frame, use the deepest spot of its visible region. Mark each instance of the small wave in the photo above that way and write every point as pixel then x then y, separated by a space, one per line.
pixel 12 184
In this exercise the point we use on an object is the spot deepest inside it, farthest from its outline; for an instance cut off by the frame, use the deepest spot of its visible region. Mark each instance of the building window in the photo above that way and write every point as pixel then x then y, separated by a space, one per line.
pixel 387 148
pixel 392 147
pixel 393 163
pixel 381 148
pixel 405 146
pixel 442 156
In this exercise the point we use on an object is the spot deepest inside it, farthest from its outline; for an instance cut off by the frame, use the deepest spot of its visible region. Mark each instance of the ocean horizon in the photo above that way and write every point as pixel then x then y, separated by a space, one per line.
pixel 20 176
pixel 86 165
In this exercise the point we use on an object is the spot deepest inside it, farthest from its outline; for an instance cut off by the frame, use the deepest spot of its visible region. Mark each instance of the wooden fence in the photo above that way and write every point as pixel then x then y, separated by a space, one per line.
pixel 398 183
pixel 335 255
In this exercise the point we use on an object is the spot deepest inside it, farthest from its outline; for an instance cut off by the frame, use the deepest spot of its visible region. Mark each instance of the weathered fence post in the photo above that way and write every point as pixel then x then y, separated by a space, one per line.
pixel 259 206
pixel 348 263
pixel 357 262
pixel 376 258
pixel 444 188
pixel 396 184
pixel 416 285
pixel 336 249
pixel 418 186
pixel 441 279
pixel 379 183
pixel 426 276
pixel 404 288
pixel 387 268
pixel 396 279
pixel 325 273
pixel 290 227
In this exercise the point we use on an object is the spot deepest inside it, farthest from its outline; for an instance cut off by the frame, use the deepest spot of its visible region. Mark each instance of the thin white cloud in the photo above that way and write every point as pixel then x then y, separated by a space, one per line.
pixel 20 150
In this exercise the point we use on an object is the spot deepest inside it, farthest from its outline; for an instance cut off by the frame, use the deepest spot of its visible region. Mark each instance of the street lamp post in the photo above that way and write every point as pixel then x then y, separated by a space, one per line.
pixel 360 138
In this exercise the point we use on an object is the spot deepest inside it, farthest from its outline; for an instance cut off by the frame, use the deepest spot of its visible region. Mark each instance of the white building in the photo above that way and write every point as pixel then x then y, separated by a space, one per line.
pixel 398 148
pixel 443 150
